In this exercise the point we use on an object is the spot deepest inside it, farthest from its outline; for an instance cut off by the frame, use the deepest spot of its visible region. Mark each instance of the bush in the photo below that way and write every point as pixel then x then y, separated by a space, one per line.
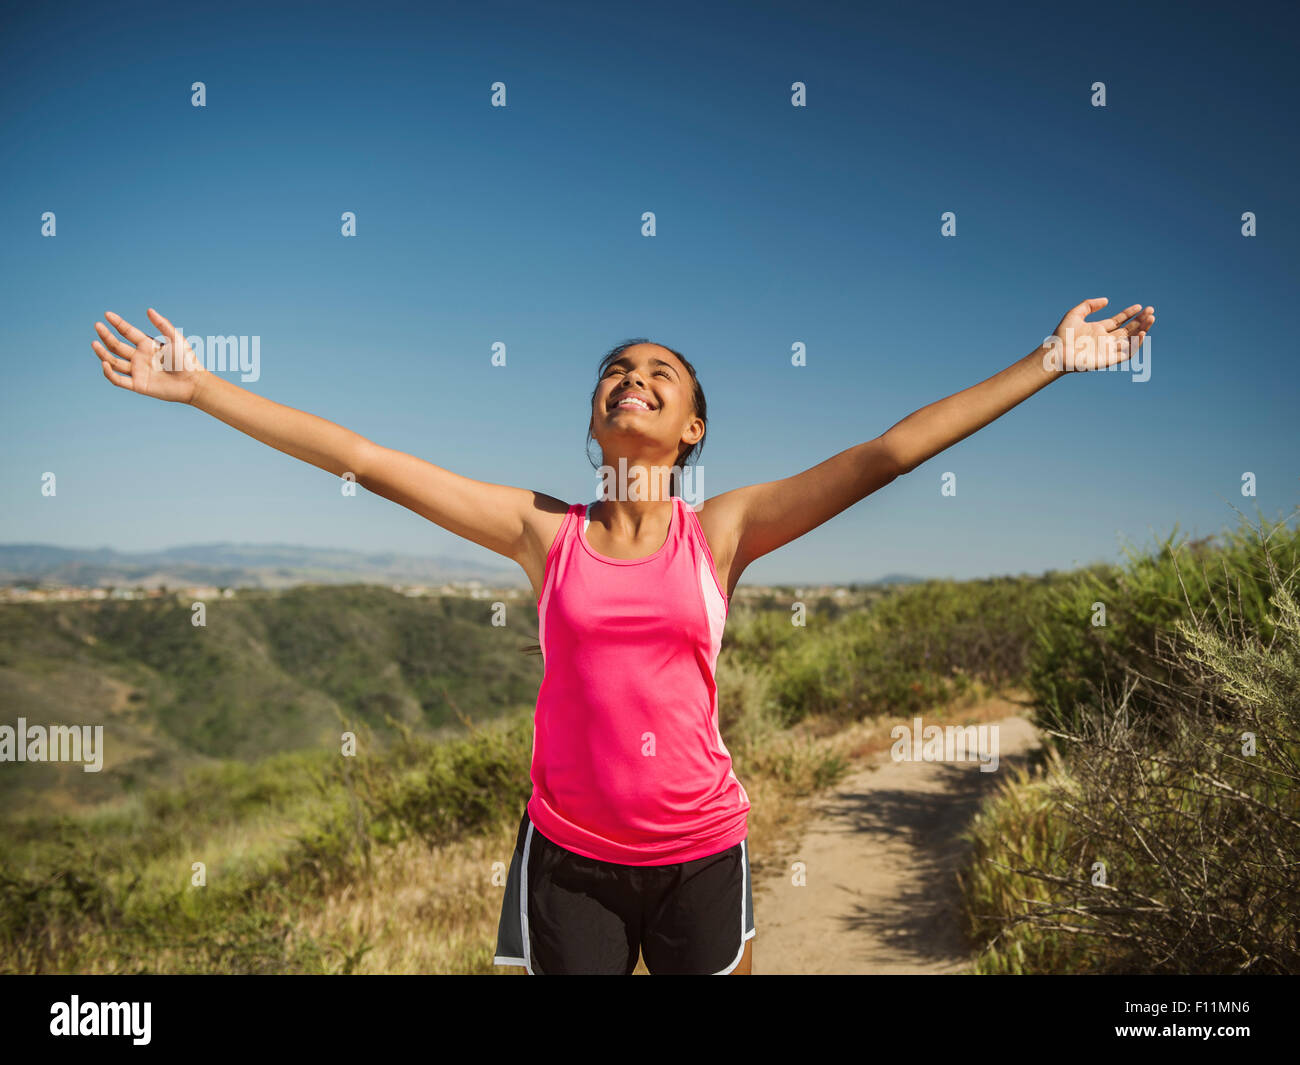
pixel 1167 839
pixel 917 646
pixel 1075 666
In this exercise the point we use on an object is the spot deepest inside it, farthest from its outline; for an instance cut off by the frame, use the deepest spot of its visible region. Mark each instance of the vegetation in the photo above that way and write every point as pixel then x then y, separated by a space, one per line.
pixel 1163 835
pixel 267 673
pixel 1153 836
pixel 1077 667
pixel 917 646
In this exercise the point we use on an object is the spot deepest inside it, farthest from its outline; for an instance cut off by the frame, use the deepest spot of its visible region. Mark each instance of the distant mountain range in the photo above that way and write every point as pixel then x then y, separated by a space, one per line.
pixel 227 565
pixel 897 578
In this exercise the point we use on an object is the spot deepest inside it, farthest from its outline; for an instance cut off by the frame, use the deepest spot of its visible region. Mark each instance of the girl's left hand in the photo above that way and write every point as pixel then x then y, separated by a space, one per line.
pixel 1113 339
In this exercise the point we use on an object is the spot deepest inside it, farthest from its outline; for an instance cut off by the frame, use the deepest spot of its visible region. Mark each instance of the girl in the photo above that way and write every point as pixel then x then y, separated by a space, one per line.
pixel 635 836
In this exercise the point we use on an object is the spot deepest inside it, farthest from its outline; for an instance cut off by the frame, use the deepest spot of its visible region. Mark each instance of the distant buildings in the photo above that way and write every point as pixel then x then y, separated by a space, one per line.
pixel 470 589
pixel 70 593
pixel 466 589
pixel 473 589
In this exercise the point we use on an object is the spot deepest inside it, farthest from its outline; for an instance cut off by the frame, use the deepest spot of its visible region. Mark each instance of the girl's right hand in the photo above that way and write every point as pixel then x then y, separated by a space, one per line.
pixel 143 365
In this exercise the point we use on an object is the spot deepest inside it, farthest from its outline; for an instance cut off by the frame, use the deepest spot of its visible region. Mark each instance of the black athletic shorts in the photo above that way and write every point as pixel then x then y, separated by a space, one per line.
pixel 566 914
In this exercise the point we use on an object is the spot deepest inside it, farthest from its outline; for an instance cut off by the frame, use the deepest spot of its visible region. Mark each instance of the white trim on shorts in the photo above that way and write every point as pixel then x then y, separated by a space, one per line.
pixel 523 908
pixel 744 887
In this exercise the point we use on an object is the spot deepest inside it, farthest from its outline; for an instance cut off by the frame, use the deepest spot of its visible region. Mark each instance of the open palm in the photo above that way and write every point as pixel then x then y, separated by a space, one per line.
pixel 140 364
pixel 1099 345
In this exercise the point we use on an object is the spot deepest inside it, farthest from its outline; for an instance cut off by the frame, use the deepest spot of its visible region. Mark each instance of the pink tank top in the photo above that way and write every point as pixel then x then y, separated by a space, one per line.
pixel 628 763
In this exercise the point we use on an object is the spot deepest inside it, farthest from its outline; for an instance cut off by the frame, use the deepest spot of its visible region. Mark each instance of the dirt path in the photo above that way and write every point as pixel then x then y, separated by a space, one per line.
pixel 879 855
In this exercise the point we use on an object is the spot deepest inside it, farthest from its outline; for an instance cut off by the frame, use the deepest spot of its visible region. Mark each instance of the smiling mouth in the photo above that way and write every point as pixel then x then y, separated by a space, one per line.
pixel 630 403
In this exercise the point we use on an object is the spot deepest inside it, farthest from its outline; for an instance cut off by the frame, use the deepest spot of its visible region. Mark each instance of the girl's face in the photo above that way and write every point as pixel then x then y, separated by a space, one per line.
pixel 667 421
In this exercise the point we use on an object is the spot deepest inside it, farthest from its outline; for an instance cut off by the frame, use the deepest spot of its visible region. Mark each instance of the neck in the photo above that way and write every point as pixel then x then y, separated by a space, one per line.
pixel 636 481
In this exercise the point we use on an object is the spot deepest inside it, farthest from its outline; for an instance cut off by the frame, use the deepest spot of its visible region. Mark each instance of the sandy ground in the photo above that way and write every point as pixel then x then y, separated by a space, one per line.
pixel 878 855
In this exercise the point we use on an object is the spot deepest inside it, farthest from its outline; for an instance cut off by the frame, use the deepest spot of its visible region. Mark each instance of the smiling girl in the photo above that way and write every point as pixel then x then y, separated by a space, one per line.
pixel 635 837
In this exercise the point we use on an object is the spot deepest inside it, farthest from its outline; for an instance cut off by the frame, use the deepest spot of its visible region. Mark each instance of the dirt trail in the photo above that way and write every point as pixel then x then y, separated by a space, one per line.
pixel 880 852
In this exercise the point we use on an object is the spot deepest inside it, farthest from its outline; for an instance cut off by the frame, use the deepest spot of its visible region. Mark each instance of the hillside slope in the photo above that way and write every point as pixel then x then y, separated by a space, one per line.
pixel 268 673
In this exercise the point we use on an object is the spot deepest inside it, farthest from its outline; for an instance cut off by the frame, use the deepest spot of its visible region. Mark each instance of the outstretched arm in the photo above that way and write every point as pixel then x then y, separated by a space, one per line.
pixel 767 516
pixel 498 517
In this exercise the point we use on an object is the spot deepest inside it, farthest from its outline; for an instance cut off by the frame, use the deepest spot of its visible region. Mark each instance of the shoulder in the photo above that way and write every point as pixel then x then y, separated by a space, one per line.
pixel 545 515
pixel 722 516
pixel 543 518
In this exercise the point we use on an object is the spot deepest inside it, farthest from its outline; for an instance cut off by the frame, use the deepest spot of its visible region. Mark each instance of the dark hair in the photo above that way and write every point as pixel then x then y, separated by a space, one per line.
pixel 684 456
pixel 688 453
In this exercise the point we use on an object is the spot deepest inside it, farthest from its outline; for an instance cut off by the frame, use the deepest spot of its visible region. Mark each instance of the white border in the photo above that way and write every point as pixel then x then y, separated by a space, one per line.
pixel 744 886
pixel 523 909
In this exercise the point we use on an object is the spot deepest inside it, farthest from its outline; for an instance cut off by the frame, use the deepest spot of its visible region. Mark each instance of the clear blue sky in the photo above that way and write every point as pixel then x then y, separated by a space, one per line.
pixel 776 225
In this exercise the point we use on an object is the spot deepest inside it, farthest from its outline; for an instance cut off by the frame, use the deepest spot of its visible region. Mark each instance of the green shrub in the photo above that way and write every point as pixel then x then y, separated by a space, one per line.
pixel 914 647
pixel 1167 839
pixel 1076 666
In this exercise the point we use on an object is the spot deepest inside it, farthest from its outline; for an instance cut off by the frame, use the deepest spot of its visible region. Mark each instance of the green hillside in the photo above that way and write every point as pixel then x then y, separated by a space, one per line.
pixel 269 673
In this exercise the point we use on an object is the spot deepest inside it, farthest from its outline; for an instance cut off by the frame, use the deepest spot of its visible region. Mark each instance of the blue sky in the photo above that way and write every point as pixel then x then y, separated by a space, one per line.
pixel 776 225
